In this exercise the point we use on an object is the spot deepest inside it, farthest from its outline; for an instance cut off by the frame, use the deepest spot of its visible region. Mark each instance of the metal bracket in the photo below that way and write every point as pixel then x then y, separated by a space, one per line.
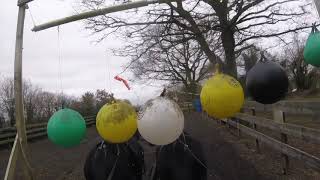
pixel 23 2
pixel 317 4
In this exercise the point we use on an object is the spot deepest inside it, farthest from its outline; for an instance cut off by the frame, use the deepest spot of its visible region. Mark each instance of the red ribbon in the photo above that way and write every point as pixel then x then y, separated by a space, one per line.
pixel 123 80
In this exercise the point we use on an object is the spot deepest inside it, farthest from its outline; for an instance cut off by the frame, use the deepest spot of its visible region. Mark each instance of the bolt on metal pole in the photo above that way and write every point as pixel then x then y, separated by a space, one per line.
pixel 317 4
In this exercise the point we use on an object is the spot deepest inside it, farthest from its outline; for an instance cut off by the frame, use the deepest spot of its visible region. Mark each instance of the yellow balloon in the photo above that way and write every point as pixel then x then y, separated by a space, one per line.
pixel 117 122
pixel 222 96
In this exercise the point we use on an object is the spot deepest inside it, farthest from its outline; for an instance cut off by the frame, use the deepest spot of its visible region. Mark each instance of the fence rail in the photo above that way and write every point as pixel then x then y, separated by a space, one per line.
pixel 289 129
pixel 188 106
pixel 248 124
pixel 7 135
pixel 293 152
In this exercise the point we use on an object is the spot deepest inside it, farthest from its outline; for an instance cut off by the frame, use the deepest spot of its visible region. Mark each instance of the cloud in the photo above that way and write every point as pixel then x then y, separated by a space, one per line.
pixel 85 66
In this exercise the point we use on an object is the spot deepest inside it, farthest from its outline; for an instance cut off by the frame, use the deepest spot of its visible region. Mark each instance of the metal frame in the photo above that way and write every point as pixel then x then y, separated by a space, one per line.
pixel 23 2
pixel 317 4
pixel 20 146
pixel 97 12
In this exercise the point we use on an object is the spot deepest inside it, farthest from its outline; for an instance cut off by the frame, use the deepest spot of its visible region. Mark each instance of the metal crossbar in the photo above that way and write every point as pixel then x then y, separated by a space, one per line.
pixel 98 12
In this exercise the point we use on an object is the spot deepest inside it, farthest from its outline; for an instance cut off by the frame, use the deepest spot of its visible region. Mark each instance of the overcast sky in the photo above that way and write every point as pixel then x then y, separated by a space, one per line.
pixel 85 65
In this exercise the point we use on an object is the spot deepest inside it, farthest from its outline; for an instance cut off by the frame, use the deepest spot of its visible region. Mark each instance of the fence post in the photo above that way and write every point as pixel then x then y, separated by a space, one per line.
pixel 225 121
pixel 238 128
pixel 279 116
pixel 254 126
pixel 9 144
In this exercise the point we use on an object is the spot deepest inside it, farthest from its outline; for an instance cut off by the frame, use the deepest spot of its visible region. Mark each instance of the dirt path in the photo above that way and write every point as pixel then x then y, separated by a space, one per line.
pixel 268 162
pixel 54 163
pixel 222 158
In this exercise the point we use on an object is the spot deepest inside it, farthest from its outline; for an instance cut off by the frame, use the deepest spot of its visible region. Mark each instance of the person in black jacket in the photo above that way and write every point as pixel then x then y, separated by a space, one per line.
pixel 183 159
pixel 115 161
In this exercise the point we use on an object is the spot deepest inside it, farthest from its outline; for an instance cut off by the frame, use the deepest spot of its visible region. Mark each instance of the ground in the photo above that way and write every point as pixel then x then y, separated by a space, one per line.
pixel 228 156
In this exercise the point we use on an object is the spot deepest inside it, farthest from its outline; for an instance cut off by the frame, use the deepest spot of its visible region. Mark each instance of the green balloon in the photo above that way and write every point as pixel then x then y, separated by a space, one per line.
pixel 66 128
pixel 312 49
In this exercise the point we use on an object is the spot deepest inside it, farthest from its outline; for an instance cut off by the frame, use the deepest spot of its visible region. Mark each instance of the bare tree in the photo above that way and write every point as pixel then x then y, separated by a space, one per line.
pixel 304 76
pixel 39 105
pixel 238 23
pixel 183 63
pixel 30 93
pixel 46 105
pixel 88 104
pixel 7 99
pixel 250 57
pixel 103 97
pixel 2 120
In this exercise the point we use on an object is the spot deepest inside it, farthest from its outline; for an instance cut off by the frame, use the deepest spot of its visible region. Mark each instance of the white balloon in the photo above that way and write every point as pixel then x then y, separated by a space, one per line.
pixel 161 121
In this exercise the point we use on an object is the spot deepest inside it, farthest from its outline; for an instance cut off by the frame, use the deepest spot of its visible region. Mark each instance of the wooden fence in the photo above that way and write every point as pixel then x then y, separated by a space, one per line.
pixel 7 135
pixel 188 106
pixel 248 124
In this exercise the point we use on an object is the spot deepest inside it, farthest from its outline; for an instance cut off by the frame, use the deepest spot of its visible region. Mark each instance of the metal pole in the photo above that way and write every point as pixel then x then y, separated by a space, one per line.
pixel 317 4
pixel 21 139
pixel 97 12
pixel 22 2
pixel 12 160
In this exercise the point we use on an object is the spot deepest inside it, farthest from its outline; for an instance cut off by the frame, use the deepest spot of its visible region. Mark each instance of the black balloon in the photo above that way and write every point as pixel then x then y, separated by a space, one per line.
pixel 267 82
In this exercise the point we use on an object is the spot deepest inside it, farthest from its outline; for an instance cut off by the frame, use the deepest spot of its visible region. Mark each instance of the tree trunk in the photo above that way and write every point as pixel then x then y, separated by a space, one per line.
pixel 192 87
pixel 206 49
pixel 229 49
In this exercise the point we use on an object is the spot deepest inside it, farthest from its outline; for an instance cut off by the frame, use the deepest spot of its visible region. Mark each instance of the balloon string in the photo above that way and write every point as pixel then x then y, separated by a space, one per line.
pixel 210 171
pixel 114 167
pixel 115 164
pixel 108 73
pixel 184 139
pixel 263 57
pixel 32 19
pixel 138 98
pixel 154 166
pixel 60 67
pixel 118 150
pixel 314 28
pixel 150 152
